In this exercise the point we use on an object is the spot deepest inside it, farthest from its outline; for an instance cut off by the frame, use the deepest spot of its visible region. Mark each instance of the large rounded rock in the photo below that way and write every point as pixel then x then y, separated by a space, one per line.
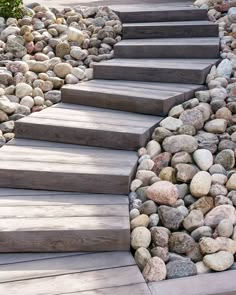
pixel 171 124
pixel 219 261
pixel 226 158
pixel 141 220
pixel 200 232
pixel 140 237
pixel 160 236
pixel 171 218
pixel 216 126
pixel 180 268
pixel 186 172
pixel 181 243
pixel 7 107
pixel 194 220
pixel 203 158
pixel 192 117
pixel 62 69
pixel 209 245
pixel 200 184
pixel 163 192
pixel 216 215
pixel 74 34
pixel 155 270
pixel 178 143
pixel 23 89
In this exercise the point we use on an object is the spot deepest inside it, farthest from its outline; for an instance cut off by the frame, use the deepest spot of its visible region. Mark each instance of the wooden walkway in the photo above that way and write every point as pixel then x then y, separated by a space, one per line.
pixel 65 178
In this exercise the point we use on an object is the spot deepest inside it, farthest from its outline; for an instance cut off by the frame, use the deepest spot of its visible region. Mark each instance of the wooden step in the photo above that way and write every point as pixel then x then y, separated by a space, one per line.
pixel 43 221
pixel 158 12
pixel 71 274
pixel 184 29
pixel 88 126
pixel 33 164
pixel 168 48
pixel 189 71
pixel 139 97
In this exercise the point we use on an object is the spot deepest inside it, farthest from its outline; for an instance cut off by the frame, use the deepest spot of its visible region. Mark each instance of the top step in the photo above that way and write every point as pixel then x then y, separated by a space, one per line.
pixel 159 13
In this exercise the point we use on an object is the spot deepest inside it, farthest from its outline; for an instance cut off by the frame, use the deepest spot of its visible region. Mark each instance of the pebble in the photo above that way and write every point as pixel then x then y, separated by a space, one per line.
pixel 141 220
pixel 193 117
pixel 231 183
pixel 216 126
pixel 181 243
pixel 194 220
pixel 153 148
pixel 148 208
pixel 160 236
pixel 225 158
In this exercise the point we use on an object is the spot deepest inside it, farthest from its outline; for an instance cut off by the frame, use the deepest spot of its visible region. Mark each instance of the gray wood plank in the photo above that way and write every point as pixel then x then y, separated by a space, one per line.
pixel 77 282
pixel 182 29
pixel 162 70
pixel 222 283
pixel 150 13
pixel 168 48
pixel 62 211
pixel 65 234
pixel 46 267
pixel 40 165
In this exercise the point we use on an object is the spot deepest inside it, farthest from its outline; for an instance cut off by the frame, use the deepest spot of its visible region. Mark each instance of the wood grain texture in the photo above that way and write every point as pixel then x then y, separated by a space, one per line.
pixel 139 97
pixel 42 222
pixel 88 274
pixel 76 282
pixel 192 71
pixel 168 48
pixel 187 29
pixel 88 126
pixel 52 166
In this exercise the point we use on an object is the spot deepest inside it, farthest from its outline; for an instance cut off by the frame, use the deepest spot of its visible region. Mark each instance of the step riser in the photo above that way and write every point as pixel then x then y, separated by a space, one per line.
pixel 106 139
pixel 165 51
pixel 186 76
pixel 124 103
pixel 180 31
pixel 67 241
pixel 163 16
pixel 66 182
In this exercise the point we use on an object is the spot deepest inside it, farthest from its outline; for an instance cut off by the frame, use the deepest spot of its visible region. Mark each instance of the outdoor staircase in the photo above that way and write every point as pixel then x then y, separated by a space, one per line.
pixel 64 156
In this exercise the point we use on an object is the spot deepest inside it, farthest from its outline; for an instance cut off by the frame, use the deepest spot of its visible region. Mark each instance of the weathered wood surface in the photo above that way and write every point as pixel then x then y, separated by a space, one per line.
pixel 158 12
pixel 43 222
pixel 63 167
pixel 168 48
pixel 184 29
pixel 222 283
pixel 97 273
pixel 139 97
pixel 190 71
pixel 88 126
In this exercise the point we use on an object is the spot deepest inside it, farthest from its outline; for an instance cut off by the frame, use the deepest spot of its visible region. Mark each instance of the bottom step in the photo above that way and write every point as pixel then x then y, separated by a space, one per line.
pixel 78 274
pixel 42 221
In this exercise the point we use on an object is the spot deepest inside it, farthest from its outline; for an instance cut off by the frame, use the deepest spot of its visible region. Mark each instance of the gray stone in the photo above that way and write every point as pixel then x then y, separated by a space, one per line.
pixel 225 158
pixel 171 218
pixel 155 270
pixel 207 141
pixel 160 236
pixel 203 231
pixel 142 255
pixel 148 208
pixel 192 117
pixel 219 261
pixel 214 217
pixel 203 158
pixel 194 220
pixel 181 243
pixel 171 124
pixel 180 268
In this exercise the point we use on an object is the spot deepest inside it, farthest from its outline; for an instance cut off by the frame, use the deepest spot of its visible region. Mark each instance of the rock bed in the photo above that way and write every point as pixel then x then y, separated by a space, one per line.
pixel 46 49
pixel 183 198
